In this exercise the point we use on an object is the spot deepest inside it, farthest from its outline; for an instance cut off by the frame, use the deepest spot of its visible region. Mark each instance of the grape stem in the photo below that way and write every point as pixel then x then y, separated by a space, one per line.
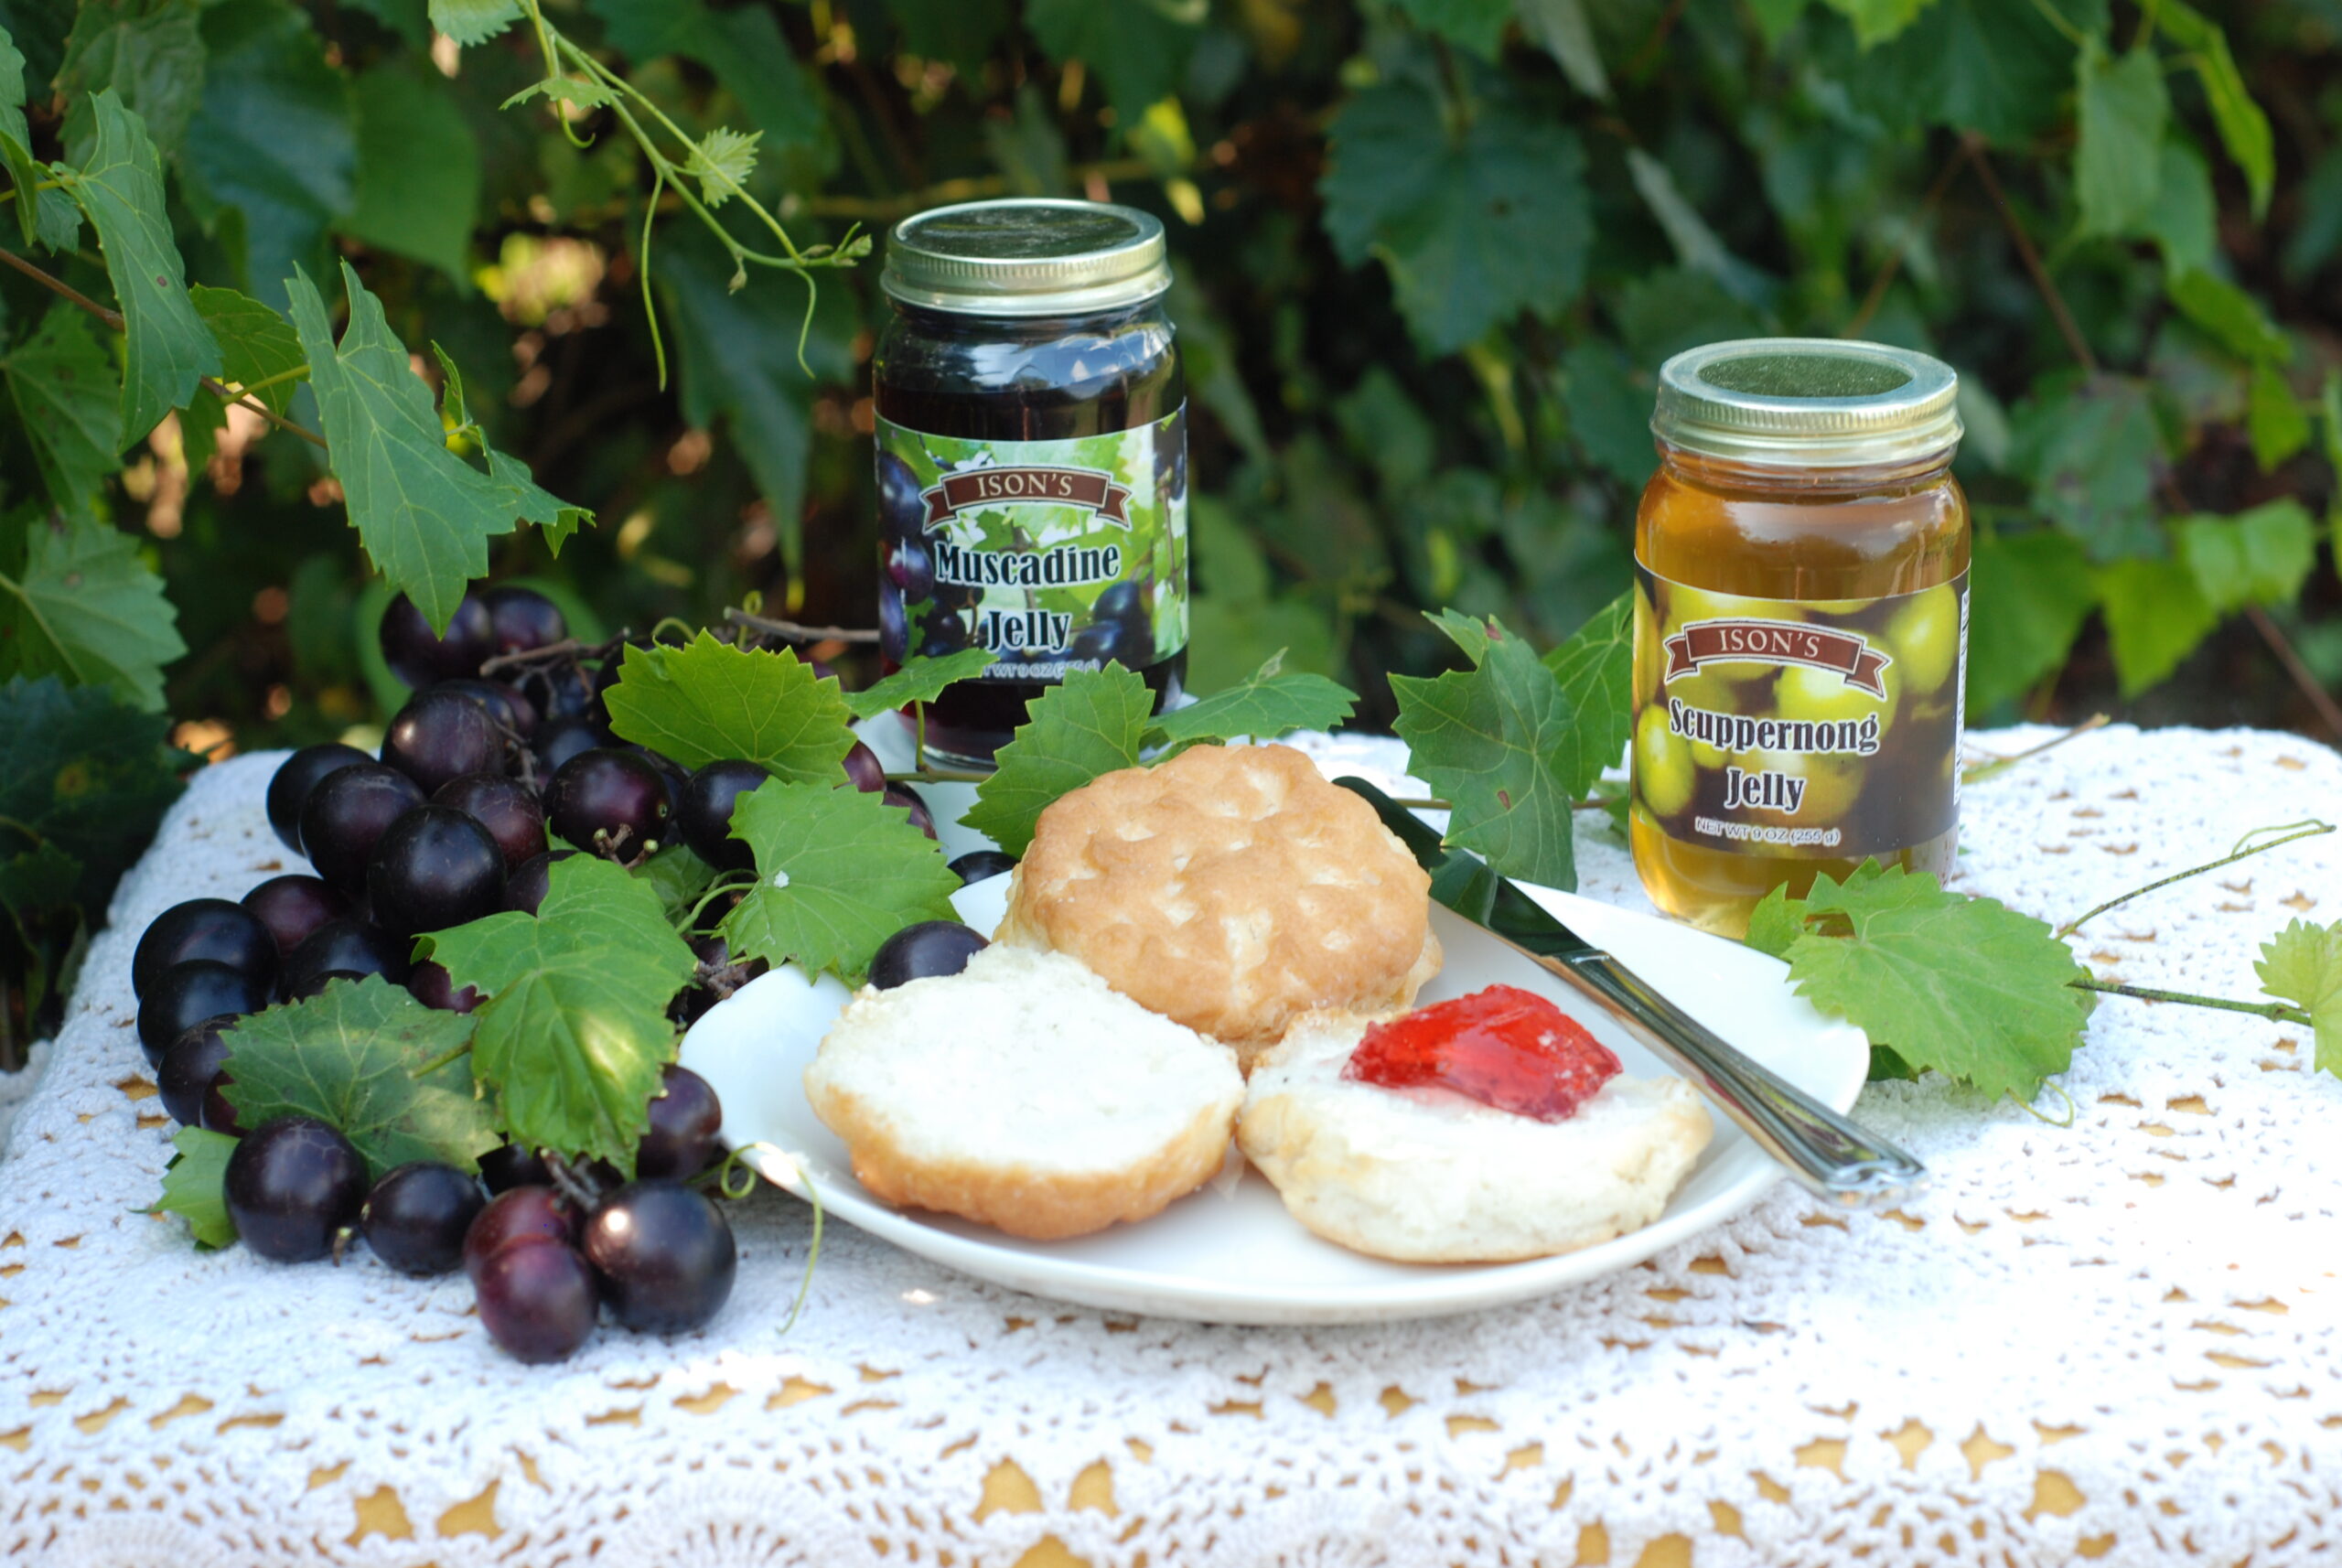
pixel 2308 828
pixel 792 631
pixel 574 1185
pixel 2275 1012
pixel 551 653
pixel 435 1063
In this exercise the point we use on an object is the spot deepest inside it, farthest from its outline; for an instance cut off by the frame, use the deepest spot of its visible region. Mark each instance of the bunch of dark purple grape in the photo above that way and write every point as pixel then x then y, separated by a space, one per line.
pixel 543 1259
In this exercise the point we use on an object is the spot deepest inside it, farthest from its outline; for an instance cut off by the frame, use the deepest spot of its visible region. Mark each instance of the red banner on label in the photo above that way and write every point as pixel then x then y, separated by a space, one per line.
pixel 1778 642
pixel 972 490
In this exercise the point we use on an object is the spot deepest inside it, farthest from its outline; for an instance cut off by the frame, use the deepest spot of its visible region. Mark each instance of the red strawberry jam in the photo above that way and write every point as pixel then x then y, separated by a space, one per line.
pixel 1502 1046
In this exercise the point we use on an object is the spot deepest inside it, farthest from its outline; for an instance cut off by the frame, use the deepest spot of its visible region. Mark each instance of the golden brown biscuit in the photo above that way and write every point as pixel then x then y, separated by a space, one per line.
pixel 1231 889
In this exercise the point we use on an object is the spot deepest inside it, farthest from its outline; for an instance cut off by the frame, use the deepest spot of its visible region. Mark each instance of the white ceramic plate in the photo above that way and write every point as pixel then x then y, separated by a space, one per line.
pixel 1231 1254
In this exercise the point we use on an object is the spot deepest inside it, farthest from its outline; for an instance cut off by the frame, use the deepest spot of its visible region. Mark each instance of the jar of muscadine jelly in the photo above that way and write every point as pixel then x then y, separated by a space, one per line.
pixel 1801 623
pixel 1032 437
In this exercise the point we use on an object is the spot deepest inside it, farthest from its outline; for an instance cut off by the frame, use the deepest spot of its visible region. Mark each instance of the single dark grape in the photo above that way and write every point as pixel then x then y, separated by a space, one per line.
pixel 558 740
pixel 910 566
pixel 507 808
pixel 664 1254
pixel 864 770
pixel 442 735
pixel 416 1217
pixel 685 1117
pixel 609 801
pixel 292 906
pixel 903 795
pixel 349 949
pixel 525 889
pixel 902 514
pixel 941 630
pixel 923 952
pixel 295 778
pixel 705 816
pixel 1119 602
pixel 210 928
pixel 214 1113
pixel 894 630
pixel 518 1217
pixel 418 656
pixel 537 1301
pixel 293 1185
pixel 507 706
pixel 433 869
pixel 346 814
pixel 432 985
pixel 513 1165
pixel 187 1068
pixel 979 864
pixel 1128 643
pixel 521 620
pixel 185 995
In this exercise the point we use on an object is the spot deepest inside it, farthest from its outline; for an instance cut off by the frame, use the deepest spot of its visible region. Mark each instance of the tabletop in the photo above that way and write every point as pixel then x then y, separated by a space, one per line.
pixel 2115 1337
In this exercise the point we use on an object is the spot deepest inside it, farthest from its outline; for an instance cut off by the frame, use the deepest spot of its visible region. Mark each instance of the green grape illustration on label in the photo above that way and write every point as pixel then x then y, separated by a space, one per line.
pixel 1818 728
pixel 1055 555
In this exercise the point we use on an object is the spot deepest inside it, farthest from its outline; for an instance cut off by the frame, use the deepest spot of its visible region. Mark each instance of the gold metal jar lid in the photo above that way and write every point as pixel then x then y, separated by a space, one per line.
pixel 1807 402
pixel 1027 257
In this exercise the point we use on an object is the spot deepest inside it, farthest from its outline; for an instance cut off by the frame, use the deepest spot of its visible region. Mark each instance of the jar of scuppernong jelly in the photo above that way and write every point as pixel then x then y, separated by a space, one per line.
pixel 1801 623
pixel 1032 439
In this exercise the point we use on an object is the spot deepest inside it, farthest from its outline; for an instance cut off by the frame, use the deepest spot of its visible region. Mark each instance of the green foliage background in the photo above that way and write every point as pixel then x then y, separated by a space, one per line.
pixel 1430 253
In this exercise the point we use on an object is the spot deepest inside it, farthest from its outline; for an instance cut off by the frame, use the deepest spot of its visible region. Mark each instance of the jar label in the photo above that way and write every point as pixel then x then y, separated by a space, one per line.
pixel 1827 728
pixel 1057 555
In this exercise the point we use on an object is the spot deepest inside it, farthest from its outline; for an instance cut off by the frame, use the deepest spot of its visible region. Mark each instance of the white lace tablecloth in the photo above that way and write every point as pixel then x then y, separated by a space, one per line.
pixel 2115 1339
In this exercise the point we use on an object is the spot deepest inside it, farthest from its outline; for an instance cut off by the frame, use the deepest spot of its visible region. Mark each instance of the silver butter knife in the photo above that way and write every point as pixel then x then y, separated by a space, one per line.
pixel 1837 1159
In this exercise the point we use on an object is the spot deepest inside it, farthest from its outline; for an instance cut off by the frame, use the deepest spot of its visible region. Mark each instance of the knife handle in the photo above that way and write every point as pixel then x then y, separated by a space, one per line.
pixel 1831 1155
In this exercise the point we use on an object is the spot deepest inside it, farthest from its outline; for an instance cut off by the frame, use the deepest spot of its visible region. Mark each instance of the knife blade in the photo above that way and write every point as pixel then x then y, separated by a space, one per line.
pixel 1831 1154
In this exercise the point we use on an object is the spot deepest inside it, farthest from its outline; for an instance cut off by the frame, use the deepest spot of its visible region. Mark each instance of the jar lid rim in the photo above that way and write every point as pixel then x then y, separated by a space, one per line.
pixel 1026 256
pixel 1806 401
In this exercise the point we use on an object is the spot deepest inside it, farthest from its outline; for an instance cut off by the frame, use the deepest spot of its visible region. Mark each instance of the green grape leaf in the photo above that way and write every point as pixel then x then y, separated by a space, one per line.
pixel 709 700
pixel 1093 723
pixel 84 772
pixel 195 1187
pixel 577 91
pixel 273 141
pixel 1596 671
pixel 1999 68
pixel 2092 451
pixel 470 22
pixel 921 679
pixel 120 188
pixel 1138 48
pixel 1501 742
pixel 1475 25
pixel 1697 246
pixel 1473 230
pixel 149 55
pixel 2303 965
pixel 838 872
pixel 2185 219
pixel 575 1028
pixel 69 399
pixel 347 1056
pixel 1774 925
pixel 1963 987
pixel 2274 420
pixel 2156 617
pixel 16 140
pixel 2257 557
pixel 85 607
pixel 425 514
pixel 2232 315
pixel 2029 594
pixel 960 31
pixel 722 162
pixel 256 344
pixel 418 180
pixel 2117 162
pixel 2244 129
pixel 1267 704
